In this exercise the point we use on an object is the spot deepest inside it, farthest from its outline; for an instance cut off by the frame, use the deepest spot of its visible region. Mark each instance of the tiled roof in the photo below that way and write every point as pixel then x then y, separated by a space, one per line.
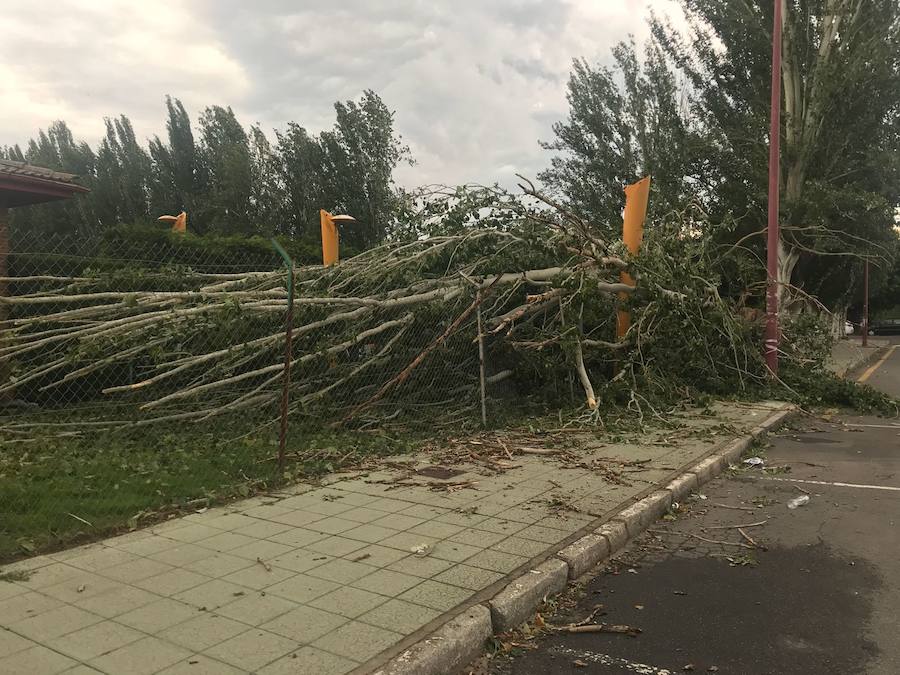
pixel 11 168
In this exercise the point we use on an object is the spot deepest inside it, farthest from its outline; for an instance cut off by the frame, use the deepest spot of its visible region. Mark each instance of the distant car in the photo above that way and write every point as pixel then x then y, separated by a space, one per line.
pixel 885 327
pixel 848 328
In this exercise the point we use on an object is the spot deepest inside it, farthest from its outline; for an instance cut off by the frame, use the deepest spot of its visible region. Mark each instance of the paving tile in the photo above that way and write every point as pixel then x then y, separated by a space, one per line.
pixel 349 602
pixel 9 589
pixel 479 538
pixel 230 521
pixel 143 657
pixel 465 519
pixel 49 575
pixel 309 660
pixel 399 615
pixel 200 664
pixel 451 550
pixel 225 541
pixel 82 669
pixel 436 595
pixel 261 529
pixel 37 659
pixel 333 525
pixel 336 546
pixel 297 536
pixel 362 514
pixel 388 505
pixel 252 650
pixel 377 556
pixel 527 548
pixel 545 534
pixel 396 521
pixel 258 577
pixel 370 533
pixel 406 541
pixel 25 605
pixel 342 571
pixel 357 640
pixel 527 515
pixel 211 595
pixel 299 518
pixel 54 622
pixel 498 561
pixel 501 526
pixel 101 559
pixel 420 567
pixel 300 560
pixel 203 631
pixel 264 549
pixel 353 498
pixel 190 534
pixel 304 624
pixel 117 601
pixel 158 615
pixel 181 554
pixel 146 546
pixel 265 512
pixel 302 588
pixel 91 642
pixel 10 643
pixel 465 576
pixel 432 528
pixel 387 582
pixel 257 607
pixel 327 508
pixel 85 585
pixel 136 570
pixel 424 511
pixel 219 565
pixel 172 582
pixel 567 524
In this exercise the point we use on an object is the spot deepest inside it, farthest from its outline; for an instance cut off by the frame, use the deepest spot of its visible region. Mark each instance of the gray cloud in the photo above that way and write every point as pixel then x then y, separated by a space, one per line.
pixel 474 85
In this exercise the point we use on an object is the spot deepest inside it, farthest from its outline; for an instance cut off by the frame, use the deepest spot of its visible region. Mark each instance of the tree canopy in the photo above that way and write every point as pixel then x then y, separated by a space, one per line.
pixel 230 179
pixel 694 113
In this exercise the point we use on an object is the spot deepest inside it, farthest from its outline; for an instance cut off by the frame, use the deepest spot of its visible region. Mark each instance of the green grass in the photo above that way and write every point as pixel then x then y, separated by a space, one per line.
pixel 57 491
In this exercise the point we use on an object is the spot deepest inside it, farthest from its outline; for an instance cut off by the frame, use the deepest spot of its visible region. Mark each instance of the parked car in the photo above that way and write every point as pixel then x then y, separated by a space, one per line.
pixel 885 327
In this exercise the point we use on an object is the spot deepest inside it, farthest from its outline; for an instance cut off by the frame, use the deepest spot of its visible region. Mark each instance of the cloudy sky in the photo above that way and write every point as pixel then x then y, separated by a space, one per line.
pixel 474 83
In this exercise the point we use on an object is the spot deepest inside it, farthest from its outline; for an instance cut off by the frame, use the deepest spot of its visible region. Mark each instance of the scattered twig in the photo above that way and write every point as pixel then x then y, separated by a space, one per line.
pixel 266 565
pixel 80 519
pixel 735 527
pixel 736 508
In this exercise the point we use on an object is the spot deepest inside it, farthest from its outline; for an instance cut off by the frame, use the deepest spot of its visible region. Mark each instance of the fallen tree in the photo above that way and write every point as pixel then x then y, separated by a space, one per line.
pixel 394 330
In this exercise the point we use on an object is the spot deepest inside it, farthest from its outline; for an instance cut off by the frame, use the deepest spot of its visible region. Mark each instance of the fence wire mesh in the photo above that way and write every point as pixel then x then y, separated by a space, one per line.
pixel 144 376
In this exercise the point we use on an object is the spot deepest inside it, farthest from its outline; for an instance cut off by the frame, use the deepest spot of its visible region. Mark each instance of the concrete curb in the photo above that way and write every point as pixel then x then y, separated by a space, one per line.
pixel 867 360
pixel 461 639
pixel 516 603
pixel 447 650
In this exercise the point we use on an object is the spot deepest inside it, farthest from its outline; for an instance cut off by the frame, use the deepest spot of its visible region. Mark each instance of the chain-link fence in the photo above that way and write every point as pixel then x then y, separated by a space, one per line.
pixel 143 374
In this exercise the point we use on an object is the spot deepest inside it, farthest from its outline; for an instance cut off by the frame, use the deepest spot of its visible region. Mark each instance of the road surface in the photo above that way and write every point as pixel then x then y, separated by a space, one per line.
pixel 823 598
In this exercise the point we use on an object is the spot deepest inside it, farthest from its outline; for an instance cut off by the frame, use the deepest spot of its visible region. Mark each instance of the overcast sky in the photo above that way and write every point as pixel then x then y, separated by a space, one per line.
pixel 474 83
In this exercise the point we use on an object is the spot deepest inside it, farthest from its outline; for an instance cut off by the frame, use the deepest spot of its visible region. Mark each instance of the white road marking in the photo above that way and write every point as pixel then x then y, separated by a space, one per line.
pixel 874 426
pixel 834 484
pixel 607 660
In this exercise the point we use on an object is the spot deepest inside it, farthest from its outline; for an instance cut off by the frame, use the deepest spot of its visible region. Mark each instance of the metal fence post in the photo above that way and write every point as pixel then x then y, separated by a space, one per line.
pixel 288 354
pixel 481 364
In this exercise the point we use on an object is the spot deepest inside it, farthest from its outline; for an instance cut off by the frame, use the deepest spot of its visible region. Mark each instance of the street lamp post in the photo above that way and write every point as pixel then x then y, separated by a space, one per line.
pixel 865 318
pixel 771 343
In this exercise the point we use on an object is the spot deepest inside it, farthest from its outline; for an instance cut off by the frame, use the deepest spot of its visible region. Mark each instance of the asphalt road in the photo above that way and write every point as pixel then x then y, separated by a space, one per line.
pixel 821 593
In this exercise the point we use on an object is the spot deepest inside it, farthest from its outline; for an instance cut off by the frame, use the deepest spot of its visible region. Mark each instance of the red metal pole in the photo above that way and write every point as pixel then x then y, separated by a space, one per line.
pixel 771 344
pixel 865 321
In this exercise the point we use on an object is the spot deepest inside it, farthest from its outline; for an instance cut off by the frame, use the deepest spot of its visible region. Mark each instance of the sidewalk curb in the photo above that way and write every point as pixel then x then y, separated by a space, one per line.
pixel 461 639
pixel 867 360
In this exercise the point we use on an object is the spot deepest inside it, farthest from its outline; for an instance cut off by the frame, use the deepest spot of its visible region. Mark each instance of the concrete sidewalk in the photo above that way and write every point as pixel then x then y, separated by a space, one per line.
pixel 340 577
pixel 849 354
